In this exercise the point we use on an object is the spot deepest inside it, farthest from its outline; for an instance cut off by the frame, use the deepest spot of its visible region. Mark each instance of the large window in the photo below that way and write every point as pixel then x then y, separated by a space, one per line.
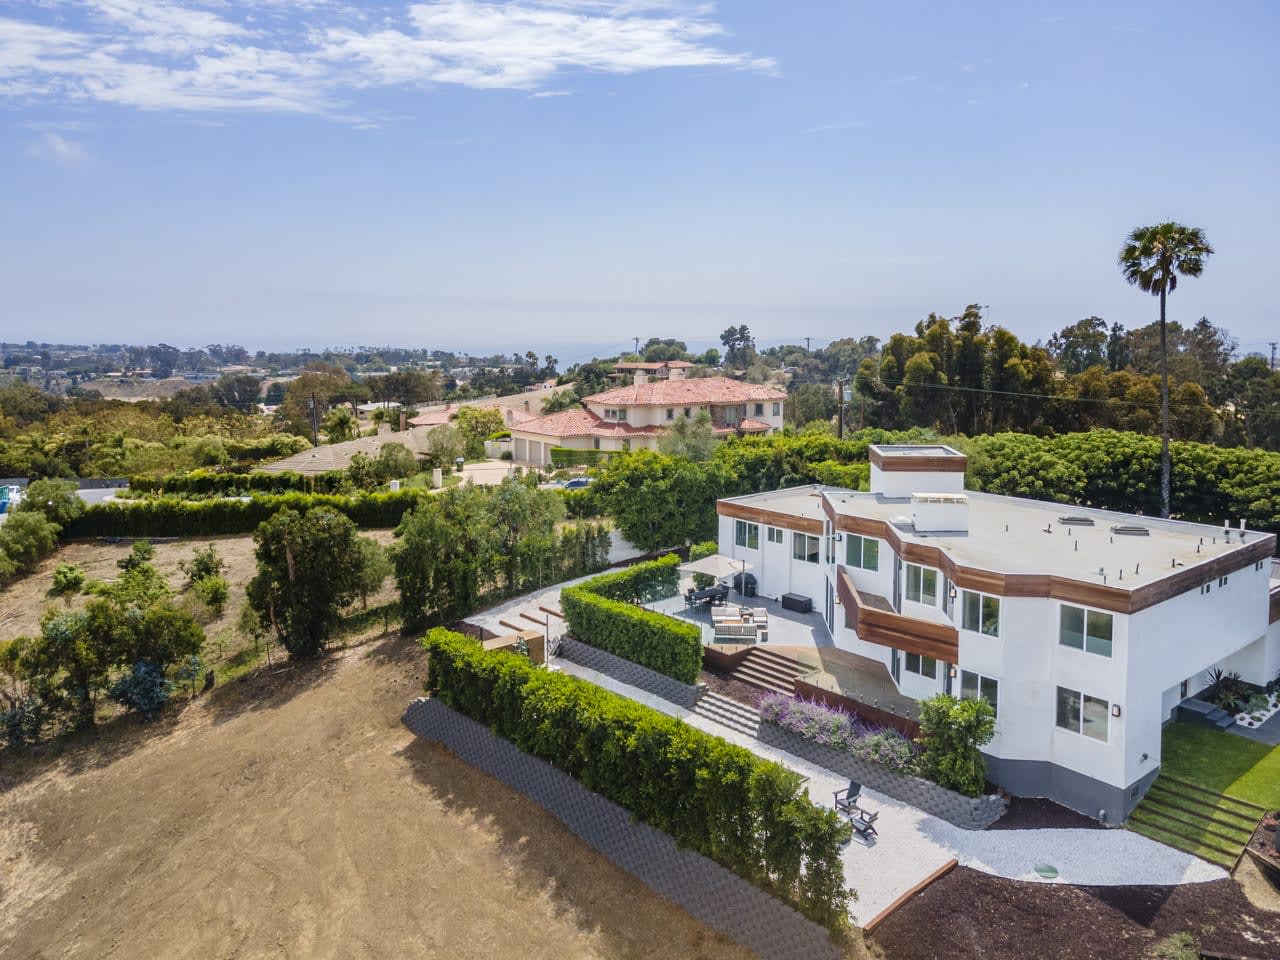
pixel 804 547
pixel 746 534
pixel 862 552
pixel 1088 630
pixel 974 685
pixel 759 410
pixel 981 612
pixel 775 534
pixel 1081 713
pixel 922 665
pixel 922 584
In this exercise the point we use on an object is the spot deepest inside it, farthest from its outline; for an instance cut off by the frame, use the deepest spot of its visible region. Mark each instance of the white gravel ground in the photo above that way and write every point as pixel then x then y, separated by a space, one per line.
pixel 912 844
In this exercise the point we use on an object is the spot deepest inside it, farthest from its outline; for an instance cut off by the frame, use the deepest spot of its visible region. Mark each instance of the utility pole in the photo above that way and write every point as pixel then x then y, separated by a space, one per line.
pixel 807 348
pixel 315 427
pixel 637 340
pixel 1273 354
pixel 840 382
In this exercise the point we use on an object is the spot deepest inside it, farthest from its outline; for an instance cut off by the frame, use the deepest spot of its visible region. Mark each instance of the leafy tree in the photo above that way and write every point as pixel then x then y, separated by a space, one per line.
pixel 213 593
pixel 145 689
pixel 475 424
pixel 68 579
pixel 308 570
pixel 67 663
pixel 560 400
pixel 711 358
pixel 236 390
pixel 446 445
pixel 339 425
pixel 56 500
pixel 374 567
pixel 26 538
pixel 660 501
pixel 739 346
pixel 691 438
pixel 205 562
pixel 1152 259
pixel 1081 345
pixel 810 402
pixel 952 733
pixel 140 553
pixel 656 350
pixel 396 462
pixel 363 471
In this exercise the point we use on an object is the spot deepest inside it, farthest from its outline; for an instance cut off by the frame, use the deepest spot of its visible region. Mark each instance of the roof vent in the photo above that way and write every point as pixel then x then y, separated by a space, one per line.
pixel 1130 530
pixel 1076 521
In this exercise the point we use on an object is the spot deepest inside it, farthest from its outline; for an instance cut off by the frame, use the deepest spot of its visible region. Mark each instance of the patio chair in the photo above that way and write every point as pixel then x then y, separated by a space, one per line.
pixel 864 823
pixel 847 798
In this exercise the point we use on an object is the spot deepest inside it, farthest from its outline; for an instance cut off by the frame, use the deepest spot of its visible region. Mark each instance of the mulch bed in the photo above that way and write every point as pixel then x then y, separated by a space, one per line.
pixel 975 915
pixel 1263 844
pixel 728 687
pixel 1033 813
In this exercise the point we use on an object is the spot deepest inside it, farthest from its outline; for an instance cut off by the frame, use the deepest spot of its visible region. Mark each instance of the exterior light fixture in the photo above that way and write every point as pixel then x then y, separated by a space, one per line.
pixel 952 592
pixel 1115 709
pixel 952 671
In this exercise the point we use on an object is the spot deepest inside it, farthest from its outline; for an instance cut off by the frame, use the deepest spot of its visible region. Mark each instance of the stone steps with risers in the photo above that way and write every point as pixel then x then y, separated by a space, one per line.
pixel 768 670
pixel 731 713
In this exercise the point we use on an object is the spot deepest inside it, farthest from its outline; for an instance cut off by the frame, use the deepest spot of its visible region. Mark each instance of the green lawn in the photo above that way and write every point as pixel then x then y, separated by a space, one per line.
pixel 1223 762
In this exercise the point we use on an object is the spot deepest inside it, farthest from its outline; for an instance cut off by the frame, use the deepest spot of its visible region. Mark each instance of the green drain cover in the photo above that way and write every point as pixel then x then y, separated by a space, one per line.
pixel 1048 871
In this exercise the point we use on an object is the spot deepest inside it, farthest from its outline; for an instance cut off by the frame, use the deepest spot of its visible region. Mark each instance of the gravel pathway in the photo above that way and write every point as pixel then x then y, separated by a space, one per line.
pixel 912 844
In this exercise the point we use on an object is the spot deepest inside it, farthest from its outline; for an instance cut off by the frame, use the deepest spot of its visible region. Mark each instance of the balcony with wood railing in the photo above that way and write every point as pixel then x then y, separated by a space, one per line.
pixel 873 618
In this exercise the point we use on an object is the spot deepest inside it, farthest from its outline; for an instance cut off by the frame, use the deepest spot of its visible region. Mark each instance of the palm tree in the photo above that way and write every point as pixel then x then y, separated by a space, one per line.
pixel 1151 259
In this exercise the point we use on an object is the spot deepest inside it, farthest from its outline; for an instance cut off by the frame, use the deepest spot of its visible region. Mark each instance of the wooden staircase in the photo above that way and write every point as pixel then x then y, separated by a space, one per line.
pixel 1208 825
pixel 766 670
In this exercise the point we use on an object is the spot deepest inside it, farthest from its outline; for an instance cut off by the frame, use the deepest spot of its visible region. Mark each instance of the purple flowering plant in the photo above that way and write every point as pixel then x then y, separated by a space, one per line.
pixel 840 730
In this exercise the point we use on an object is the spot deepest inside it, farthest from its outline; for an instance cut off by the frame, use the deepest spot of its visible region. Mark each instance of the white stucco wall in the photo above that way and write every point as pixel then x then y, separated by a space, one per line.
pixel 893 483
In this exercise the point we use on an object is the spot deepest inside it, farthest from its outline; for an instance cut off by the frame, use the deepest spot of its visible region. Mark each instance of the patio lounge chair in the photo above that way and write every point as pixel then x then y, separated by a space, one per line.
pixel 847 799
pixel 864 823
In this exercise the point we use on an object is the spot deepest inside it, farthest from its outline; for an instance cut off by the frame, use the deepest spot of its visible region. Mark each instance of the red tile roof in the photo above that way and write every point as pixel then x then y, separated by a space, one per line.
pixel 700 390
pixel 580 422
pixel 652 365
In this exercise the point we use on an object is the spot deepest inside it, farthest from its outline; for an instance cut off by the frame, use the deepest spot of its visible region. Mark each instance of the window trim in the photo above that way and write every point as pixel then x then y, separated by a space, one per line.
pixel 1086 613
pixel 982 600
pixel 862 543
pixel 980 678
pixel 774 535
pixel 746 534
pixel 919 598
pixel 800 542
pixel 1082 701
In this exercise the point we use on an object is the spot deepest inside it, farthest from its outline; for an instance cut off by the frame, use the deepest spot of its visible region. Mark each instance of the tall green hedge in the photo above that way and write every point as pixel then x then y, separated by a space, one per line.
pixel 562 457
pixel 748 814
pixel 230 482
pixel 175 517
pixel 602 612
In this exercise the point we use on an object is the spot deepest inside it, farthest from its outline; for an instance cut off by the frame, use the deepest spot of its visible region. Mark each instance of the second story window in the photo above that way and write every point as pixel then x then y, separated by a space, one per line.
pixel 981 613
pixel 922 665
pixel 746 534
pixel 922 585
pixel 804 547
pixel 688 412
pixel 622 414
pixel 862 552
pixel 1088 630
pixel 759 410
pixel 775 534
pixel 777 409
pixel 610 414
pixel 671 413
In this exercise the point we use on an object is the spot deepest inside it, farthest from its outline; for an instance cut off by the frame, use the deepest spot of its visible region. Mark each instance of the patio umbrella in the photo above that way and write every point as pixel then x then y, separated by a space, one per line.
pixel 717 565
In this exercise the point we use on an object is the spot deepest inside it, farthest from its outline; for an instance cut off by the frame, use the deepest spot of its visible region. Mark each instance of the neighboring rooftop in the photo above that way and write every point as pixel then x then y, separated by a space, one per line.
pixel 580 422
pixel 701 390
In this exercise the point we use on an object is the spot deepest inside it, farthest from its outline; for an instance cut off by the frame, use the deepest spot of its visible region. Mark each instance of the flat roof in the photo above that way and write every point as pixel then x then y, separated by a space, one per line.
pixel 915 450
pixel 1017 535
pixel 803 501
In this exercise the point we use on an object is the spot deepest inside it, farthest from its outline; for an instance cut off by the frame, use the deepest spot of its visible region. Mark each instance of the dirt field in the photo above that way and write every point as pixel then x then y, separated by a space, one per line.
pixel 24 601
pixel 974 915
pixel 291 815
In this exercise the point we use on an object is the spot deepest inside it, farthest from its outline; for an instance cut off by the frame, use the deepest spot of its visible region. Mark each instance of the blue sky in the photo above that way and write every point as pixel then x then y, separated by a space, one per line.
pixel 573 173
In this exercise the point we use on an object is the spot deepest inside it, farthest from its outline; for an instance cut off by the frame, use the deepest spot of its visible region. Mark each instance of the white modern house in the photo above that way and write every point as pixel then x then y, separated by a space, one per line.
pixel 1084 628
pixel 633 417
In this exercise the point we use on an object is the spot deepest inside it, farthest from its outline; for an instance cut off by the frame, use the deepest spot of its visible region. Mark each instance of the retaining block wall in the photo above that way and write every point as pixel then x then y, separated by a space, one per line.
pixel 651 681
pixel 972 813
pixel 708 891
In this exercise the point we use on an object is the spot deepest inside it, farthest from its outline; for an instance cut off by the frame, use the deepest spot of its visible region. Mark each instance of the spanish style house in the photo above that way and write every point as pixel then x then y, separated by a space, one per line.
pixel 634 417
pixel 1084 628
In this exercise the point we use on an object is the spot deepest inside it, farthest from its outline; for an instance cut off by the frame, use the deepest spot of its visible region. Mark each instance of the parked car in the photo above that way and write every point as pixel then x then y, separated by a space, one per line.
pixel 577 483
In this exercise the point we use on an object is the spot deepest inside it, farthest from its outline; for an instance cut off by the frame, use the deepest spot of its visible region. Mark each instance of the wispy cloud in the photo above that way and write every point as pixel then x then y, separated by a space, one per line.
pixel 314 57
pixel 53 146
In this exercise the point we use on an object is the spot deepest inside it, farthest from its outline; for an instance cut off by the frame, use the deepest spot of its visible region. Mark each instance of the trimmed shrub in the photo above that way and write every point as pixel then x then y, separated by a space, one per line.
pixel 562 457
pixel 602 612
pixel 748 814
pixel 212 482
pixel 174 517
pixel 581 504
pixel 951 734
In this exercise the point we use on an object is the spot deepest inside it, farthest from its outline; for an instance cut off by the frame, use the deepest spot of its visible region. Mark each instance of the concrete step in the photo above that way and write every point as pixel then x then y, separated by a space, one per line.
pixel 781 660
pixel 731 713
pixel 765 681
